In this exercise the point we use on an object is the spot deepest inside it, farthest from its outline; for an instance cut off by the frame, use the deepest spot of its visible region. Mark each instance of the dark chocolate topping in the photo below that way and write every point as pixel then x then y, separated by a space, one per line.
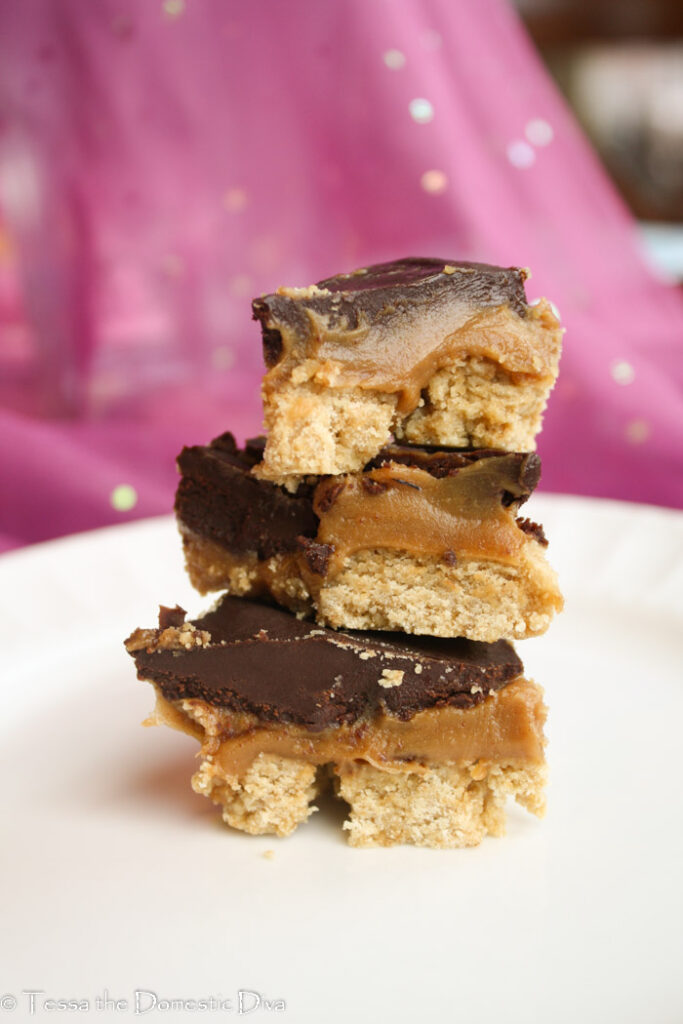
pixel 265 661
pixel 218 498
pixel 391 287
pixel 480 283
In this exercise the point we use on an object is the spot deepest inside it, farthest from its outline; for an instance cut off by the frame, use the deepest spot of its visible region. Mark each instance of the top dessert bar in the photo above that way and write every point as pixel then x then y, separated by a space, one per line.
pixel 434 351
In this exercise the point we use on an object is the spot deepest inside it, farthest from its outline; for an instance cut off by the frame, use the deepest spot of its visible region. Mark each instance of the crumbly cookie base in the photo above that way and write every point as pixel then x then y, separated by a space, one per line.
pixel 481 600
pixel 444 807
pixel 314 430
pixel 472 402
pixel 391 590
pixel 272 797
pixel 212 568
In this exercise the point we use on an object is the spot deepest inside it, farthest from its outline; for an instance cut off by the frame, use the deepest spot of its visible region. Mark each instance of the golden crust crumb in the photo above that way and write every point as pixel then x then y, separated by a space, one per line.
pixel 173 638
pixel 391 677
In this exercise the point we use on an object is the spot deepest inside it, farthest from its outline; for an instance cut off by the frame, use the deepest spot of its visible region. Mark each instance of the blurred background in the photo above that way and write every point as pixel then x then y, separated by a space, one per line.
pixel 164 161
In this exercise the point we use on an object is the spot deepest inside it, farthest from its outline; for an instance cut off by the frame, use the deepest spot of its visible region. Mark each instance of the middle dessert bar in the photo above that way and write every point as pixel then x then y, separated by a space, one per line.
pixel 423 541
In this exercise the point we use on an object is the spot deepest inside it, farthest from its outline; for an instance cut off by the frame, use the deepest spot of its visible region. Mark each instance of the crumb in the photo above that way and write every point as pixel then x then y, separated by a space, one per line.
pixel 268 854
pixel 311 292
pixel 418 670
pixel 173 638
pixel 391 677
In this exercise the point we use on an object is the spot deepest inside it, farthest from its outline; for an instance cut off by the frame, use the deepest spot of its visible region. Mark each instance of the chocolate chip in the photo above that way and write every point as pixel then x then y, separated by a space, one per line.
pixel 317 556
pixel 371 486
pixel 449 557
pixel 530 472
pixel 171 617
pixel 254 448
pixel 272 346
pixel 329 496
pixel 533 529
pixel 426 400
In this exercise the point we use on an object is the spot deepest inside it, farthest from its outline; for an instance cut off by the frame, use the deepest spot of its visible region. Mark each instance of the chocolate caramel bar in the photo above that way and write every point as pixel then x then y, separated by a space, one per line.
pixel 436 352
pixel 423 540
pixel 425 738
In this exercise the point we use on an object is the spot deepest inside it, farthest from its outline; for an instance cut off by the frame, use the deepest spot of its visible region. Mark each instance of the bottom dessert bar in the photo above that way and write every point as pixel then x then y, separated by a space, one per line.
pixel 424 738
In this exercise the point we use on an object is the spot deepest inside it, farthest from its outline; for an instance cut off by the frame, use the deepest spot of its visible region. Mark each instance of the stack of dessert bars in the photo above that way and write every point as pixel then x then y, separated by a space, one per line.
pixel 374 564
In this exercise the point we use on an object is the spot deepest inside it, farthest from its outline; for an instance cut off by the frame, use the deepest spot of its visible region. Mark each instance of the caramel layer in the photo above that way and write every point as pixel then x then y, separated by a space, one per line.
pixel 405 508
pixel 506 727
pixel 402 352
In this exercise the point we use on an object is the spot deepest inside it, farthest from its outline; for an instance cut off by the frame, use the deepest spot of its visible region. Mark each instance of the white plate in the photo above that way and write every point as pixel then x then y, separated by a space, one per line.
pixel 117 877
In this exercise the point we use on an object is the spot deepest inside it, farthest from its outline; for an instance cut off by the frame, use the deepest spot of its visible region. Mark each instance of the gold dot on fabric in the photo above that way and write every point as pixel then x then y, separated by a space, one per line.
pixel 539 132
pixel 622 372
pixel 394 59
pixel 222 358
pixel 235 200
pixel 421 110
pixel 520 154
pixel 434 182
pixel 173 8
pixel 637 431
pixel 123 498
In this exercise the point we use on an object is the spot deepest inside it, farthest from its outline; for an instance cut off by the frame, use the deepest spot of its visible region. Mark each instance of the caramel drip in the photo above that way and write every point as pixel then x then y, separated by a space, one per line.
pixel 507 726
pixel 402 353
pixel 411 510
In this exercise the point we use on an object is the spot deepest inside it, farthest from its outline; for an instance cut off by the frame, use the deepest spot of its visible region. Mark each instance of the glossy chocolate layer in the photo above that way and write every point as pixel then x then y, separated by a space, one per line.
pixel 374 291
pixel 250 657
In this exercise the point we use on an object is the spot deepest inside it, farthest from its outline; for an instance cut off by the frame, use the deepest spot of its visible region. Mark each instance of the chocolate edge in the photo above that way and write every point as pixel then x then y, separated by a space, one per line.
pixel 337 655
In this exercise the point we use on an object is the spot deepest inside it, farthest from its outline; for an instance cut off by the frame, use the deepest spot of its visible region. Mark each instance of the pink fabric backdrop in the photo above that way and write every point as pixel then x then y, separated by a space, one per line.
pixel 160 163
